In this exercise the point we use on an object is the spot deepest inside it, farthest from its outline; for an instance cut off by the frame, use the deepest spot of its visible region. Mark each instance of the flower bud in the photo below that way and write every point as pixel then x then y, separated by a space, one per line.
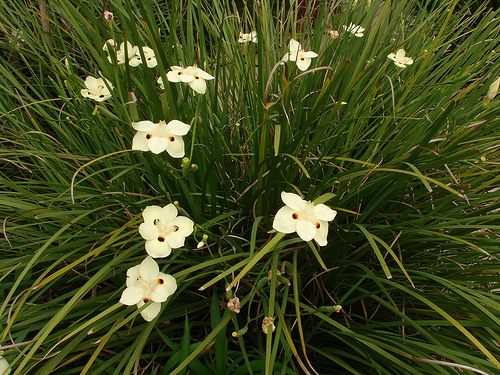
pixel 334 34
pixel 234 305
pixel 268 322
pixel 108 16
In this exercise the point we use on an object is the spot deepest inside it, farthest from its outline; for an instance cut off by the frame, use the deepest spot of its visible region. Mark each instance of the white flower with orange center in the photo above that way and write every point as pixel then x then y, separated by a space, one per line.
pixel 400 59
pixel 97 89
pixel 163 230
pixel 146 283
pixel 301 57
pixel 149 55
pixel 160 137
pixel 310 221
pixel 192 75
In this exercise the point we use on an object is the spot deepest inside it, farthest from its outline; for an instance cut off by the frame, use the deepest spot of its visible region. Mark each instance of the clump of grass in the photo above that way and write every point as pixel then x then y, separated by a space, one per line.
pixel 407 281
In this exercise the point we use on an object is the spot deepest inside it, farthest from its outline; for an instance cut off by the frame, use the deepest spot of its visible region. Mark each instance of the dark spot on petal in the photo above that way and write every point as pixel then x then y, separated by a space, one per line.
pixel 101 96
pixel 156 221
pixel 179 73
pixel 318 225
pixel 302 58
pixel 146 299
pixel 295 216
pixel 196 77
pixel 160 281
pixel 176 228
pixel 171 138
pixel 148 136
pixel 161 239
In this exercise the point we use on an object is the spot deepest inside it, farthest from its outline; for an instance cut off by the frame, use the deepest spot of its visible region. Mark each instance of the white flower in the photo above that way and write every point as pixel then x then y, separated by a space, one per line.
pixel 250 37
pixel 192 75
pixel 146 283
pixel 163 230
pixel 296 53
pixel 493 90
pixel 97 89
pixel 4 366
pixel 124 53
pixel 160 137
pixel 354 29
pixel 310 221
pixel 149 55
pixel 400 59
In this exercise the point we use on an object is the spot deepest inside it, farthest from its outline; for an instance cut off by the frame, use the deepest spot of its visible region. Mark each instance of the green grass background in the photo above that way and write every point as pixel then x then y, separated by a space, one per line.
pixel 410 164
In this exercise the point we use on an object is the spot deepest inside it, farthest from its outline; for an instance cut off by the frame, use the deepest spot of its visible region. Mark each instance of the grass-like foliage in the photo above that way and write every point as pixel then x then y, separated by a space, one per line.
pixel 407 281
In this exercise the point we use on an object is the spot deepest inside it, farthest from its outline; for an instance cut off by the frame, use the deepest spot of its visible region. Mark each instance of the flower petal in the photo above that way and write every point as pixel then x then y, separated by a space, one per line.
pixel 149 269
pixel 177 127
pixel 152 213
pixel 110 43
pixel 203 74
pixel 199 85
pixel 92 83
pixel 160 82
pixel 150 312
pixel 283 221
pixel 144 126
pixel 151 62
pixel 294 46
pixel 293 201
pixel 133 276
pixel 175 146
pixel 148 231
pixel 303 63
pixel 407 60
pixel 174 76
pixel 321 233
pixel 323 212
pixel 185 225
pixel 159 294
pixel 168 214
pixel 392 56
pixel 157 249
pixel 86 93
pixel 157 144
pixel 166 286
pixel 169 282
pixel 306 230
pixel 135 61
pixel 140 141
pixel 175 240
pixel 132 295
pixel 310 54
pixel 400 53
pixel 493 89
